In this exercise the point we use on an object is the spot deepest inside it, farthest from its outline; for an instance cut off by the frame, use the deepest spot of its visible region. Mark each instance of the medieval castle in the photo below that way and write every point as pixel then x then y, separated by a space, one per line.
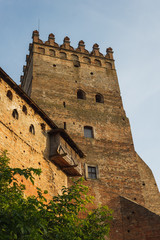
pixel 67 118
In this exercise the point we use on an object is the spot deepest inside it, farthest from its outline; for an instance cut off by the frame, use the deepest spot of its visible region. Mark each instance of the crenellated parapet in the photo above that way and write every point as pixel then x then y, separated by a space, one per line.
pixel 79 55
pixel 66 46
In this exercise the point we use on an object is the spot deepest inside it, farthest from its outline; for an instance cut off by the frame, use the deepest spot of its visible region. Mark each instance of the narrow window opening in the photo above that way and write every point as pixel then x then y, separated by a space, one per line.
pixel 24 109
pixel 64 104
pixel 65 125
pixel 88 132
pixel 43 126
pixel 31 129
pixel 92 173
pixel 99 98
pixel 15 114
pixel 81 94
pixel 9 95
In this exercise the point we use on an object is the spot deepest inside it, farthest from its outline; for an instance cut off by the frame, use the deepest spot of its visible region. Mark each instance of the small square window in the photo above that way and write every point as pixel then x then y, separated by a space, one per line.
pixel 88 132
pixel 91 171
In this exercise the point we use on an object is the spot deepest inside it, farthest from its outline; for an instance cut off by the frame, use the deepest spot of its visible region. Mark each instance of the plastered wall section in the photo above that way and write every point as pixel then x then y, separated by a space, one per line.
pixel 24 148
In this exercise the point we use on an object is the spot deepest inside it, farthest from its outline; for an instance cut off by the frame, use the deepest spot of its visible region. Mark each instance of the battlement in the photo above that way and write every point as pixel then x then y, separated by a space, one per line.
pixel 78 55
pixel 66 46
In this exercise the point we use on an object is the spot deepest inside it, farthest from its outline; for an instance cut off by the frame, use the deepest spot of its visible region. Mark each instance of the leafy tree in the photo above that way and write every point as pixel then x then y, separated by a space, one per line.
pixel 34 218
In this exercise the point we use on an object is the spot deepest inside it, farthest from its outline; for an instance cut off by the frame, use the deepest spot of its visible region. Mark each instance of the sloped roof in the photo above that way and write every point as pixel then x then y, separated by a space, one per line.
pixel 39 111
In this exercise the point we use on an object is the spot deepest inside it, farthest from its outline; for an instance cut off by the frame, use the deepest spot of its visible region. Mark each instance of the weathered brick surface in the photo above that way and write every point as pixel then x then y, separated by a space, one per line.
pixel 54 84
pixel 25 149
pixel 138 222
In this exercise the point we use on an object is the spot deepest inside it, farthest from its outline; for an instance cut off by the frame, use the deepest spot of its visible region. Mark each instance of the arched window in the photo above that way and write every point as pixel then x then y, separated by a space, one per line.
pixel 63 55
pixel 86 60
pixel 15 114
pixel 99 98
pixel 31 129
pixel 97 62
pixel 24 109
pixel 51 52
pixel 9 95
pixel 41 50
pixel 81 94
pixel 88 131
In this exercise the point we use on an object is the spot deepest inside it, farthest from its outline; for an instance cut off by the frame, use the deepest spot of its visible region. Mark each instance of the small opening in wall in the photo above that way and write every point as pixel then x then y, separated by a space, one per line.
pixel 99 98
pixel 39 163
pixel 128 231
pixel 135 199
pixel 133 212
pixel 128 217
pixel 24 109
pixel 54 65
pixel 76 63
pixel 9 95
pixel 64 104
pixel 15 114
pixel 65 125
pixel 91 73
pixel 43 126
pixel 81 94
pixel 75 81
pixel 31 129
pixel 143 184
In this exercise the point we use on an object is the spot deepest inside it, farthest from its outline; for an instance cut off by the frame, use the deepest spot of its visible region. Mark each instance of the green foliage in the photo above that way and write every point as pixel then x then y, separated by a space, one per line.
pixel 26 218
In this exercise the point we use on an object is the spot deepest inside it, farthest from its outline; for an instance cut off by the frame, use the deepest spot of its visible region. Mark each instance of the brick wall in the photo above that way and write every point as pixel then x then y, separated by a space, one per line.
pixel 24 148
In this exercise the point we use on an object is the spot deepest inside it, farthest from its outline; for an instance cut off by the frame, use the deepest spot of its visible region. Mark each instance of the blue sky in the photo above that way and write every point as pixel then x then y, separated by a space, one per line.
pixel 130 27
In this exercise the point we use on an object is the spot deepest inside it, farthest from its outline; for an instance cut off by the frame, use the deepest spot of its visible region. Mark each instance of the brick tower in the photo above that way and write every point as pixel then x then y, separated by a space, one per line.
pixel 79 90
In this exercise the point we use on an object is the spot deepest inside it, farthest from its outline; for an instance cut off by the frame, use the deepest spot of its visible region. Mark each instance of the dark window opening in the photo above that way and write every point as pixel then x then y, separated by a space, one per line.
pixel 76 63
pixel 88 132
pixel 9 95
pixel 64 104
pixel 92 173
pixel 24 109
pixel 65 126
pixel 31 129
pixel 43 126
pixel 15 114
pixel 99 98
pixel 81 94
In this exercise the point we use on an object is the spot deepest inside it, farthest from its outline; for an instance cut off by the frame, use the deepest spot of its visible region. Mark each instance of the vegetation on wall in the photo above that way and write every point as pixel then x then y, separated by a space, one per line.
pixel 34 218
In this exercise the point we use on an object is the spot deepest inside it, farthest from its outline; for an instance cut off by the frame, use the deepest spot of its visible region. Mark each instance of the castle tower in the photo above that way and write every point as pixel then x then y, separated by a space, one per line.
pixel 79 90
